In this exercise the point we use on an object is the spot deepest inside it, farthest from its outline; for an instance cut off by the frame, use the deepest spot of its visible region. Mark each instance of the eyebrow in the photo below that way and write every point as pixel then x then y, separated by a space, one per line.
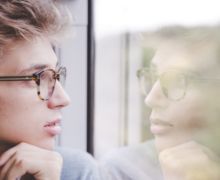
pixel 34 68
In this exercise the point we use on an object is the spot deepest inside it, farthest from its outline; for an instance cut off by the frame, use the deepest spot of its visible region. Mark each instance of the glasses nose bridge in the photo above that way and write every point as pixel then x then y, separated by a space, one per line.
pixel 57 75
pixel 156 96
pixel 158 79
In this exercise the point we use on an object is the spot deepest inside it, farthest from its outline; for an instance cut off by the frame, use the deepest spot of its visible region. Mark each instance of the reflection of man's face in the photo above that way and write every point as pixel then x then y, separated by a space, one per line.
pixel 196 117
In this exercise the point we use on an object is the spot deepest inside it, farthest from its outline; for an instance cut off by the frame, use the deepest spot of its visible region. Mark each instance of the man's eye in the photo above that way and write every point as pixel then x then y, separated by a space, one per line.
pixel 173 80
pixel 180 82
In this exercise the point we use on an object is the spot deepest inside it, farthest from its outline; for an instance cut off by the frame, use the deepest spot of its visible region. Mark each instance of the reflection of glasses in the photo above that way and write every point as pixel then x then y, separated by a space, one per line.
pixel 45 81
pixel 173 83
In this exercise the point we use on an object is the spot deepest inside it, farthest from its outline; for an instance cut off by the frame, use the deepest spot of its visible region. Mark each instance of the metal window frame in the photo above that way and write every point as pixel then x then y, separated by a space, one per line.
pixel 90 79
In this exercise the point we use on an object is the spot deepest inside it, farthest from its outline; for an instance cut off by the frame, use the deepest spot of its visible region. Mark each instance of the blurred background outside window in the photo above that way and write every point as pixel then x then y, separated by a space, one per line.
pixel 125 32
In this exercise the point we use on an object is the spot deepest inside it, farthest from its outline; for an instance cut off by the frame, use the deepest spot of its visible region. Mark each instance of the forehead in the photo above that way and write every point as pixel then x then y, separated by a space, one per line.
pixel 199 60
pixel 27 54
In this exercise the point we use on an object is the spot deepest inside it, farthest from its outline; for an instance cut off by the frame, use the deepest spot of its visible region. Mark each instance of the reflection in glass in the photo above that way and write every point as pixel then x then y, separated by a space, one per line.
pixel 171 131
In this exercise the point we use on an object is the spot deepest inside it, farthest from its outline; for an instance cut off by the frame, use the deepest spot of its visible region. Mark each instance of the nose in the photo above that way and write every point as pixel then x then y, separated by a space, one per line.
pixel 59 98
pixel 156 97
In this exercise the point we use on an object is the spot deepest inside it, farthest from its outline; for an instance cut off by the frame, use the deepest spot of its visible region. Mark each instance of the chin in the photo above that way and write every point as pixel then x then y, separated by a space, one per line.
pixel 163 143
pixel 47 144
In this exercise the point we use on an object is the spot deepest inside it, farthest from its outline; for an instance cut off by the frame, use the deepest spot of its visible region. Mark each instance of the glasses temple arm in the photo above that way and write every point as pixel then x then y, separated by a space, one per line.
pixel 17 78
pixel 206 80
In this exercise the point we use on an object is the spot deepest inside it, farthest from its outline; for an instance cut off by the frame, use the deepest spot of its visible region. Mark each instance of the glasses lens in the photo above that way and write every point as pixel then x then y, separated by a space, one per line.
pixel 173 85
pixel 47 83
pixel 62 78
pixel 146 81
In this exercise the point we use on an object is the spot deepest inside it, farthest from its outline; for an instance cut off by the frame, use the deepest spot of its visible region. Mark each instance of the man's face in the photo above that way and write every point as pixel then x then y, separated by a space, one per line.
pixel 196 117
pixel 23 115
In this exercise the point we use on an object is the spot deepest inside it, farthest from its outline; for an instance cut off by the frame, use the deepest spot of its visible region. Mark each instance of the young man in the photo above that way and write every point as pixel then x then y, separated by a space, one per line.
pixel 182 87
pixel 29 116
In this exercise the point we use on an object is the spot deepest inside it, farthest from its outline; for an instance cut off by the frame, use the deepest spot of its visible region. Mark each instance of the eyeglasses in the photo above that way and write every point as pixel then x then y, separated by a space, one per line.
pixel 44 79
pixel 173 83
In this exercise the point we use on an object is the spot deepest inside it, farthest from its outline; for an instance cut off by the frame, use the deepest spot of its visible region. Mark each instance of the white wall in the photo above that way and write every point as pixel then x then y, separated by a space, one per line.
pixel 74 56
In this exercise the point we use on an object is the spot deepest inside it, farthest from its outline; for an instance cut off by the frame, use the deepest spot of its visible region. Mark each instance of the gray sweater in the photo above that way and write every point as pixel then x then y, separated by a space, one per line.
pixel 131 163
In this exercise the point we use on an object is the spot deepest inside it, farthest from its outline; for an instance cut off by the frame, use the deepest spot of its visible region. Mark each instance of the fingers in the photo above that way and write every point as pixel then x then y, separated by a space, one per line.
pixel 40 169
pixel 16 158
pixel 22 146
pixel 184 151
pixel 188 149
pixel 15 171
pixel 189 160
pixel 25 158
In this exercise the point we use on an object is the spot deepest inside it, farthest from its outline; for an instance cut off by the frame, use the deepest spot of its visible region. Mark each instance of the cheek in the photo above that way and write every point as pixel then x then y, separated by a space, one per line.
pixel 196 116
pixel 20 117
pixel 199 113
pixel 193 116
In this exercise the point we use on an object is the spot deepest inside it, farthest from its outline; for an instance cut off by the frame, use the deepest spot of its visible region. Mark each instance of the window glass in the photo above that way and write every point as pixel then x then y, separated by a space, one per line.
pixel 175 46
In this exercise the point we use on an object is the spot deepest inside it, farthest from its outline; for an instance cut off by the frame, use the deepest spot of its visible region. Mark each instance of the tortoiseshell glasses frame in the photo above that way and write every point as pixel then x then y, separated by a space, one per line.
pixel 48 75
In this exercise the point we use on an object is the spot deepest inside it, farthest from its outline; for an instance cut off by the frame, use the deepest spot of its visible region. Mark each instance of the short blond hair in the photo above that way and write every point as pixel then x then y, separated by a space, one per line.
pixel 27 19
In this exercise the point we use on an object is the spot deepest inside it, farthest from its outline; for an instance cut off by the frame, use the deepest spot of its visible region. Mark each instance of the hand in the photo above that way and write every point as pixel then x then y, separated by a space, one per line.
pixel 25 158
pixel 189 161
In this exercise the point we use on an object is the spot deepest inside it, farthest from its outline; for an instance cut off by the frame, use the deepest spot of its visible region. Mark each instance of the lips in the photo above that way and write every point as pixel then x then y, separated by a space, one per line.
pixel 53 127
pixel 159 126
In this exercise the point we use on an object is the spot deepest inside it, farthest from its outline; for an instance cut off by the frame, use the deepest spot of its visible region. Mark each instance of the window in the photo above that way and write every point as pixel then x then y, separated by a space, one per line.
pixel 126 33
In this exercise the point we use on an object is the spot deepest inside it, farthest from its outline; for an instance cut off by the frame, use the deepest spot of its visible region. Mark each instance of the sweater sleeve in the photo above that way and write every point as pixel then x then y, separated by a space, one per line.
pixel 77 165
pixel 131 163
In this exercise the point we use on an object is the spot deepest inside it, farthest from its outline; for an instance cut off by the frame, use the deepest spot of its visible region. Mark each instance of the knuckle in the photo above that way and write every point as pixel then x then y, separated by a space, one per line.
pixel 55 166
pixel 201 152
pixel 206 159
pixel 193 143
pixel 18 154
pixel 19 161
pixel 203 156
pixel 57 157
pixel 175 165
pixel 164 155
pixel 56 154
pixel 22 164
pixel 22 145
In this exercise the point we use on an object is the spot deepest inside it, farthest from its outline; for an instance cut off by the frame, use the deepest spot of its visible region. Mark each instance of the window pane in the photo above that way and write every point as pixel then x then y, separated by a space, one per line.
pixel 177 36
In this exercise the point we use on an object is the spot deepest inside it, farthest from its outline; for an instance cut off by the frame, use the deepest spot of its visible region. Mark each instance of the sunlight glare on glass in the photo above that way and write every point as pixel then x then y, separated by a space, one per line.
pixel 118 16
